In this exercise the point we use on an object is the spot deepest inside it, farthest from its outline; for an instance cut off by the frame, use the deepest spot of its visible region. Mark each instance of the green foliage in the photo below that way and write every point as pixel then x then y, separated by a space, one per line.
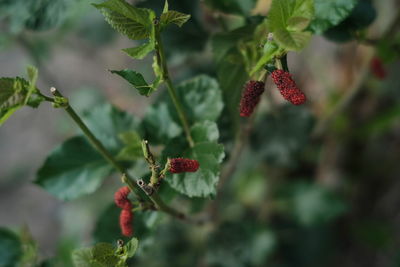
pixel 135 23
pixel 139 52
pixel 72 170
pixel 209 154
pixel 239 7
pixel 330 13
pixel 133 147
pixel 17 92
pixel 34 14
pixel 201 98
pixel 104 255
pixel 287 21
pixel 172 16
pixel 10 248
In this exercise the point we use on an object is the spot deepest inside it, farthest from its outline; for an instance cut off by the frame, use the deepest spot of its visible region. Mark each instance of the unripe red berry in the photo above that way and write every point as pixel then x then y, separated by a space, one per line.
pixel 179 165
pixel 250 97
pixel 377 68
pixel 288 88
pixel 125 222
pixel 121 198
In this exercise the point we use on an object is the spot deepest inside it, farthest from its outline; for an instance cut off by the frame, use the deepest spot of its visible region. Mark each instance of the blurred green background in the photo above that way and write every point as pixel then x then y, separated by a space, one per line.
pixel 310 189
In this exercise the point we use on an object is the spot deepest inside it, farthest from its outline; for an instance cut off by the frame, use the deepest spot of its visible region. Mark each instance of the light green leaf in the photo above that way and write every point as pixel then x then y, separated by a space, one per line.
pixel 10 248
pixel 202 183
pixel 165 9
pixel 133 146
pixel 83 258
pixel 141 51
pixel 135 23
pixel 131 247
pixel 240 7
pixel 175 17
pixel 201 98
pixel 288 19
pixel 330 13
pixel 73 169
pixel 104 254
pixel 271 49
pixel 206 131
pixel 136 79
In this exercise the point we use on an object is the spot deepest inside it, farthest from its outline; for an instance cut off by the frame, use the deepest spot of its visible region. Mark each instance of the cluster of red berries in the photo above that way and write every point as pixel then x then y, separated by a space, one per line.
pixel 254 89
pixel 179 165
pixel 126 215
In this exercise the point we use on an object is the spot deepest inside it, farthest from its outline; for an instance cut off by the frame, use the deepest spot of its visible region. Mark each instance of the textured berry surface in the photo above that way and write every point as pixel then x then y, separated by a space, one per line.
pixel 125 222
pixel 250 98
pixel 288 88
pixel 377 68
pixel 179 165
pixel 121 198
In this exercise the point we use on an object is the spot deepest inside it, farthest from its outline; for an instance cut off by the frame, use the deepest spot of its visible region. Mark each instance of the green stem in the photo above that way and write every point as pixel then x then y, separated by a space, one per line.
pixel 158 202
pixel 171 89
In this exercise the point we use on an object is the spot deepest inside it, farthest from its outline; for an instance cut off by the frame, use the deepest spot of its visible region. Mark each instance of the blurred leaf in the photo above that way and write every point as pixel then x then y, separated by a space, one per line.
pixel 104 254
pixel 312 204
pixel 201 98
pixel 330 13
pixel 10 248
pixel 34 14
pixel 204 131
pixel 159 125
pixel 240 7
pixel 136 79
pixel 72 170
pixel 135 23
pixel 175 17
pixel 280 137
pixel 133 146
pixel 139 52
pixel 83 258
pixel 287 19
pixel 29 247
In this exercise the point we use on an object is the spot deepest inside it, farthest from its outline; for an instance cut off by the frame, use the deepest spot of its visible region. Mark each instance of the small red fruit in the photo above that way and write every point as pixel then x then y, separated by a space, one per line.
pixel 179 165
pixel 251 96
pixel 377 68
pixel 288 88
pixel 125 222
pixel 121 198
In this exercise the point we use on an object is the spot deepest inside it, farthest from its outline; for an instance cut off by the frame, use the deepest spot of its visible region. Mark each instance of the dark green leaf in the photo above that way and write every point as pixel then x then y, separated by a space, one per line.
pixel 201 98
pixel 10 248
pixel 141 51
pixel 175 17
pixel 104 254
pixel 135 23
pixel 136 79
pixel 330 13
pixel 241 7
pixel 73 169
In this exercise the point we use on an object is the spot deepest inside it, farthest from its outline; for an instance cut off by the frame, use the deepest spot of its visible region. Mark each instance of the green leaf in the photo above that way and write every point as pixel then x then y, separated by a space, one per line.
pixel 204 131
pixel 141 51
pixel 15 93
pixel 136 79
pixel 83 258
pixel 131 247
pixel 240 7
pixel 201 98
pixel 135 23
pixel 133 146
pixel 73 169
pixel 104 254
pixel 330 13
pixel 174 17
pixel 288 19
pixel 159 124
pixel 10 248
pixel 166 7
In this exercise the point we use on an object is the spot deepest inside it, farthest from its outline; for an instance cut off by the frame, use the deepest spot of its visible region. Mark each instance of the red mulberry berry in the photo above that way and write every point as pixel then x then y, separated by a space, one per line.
pixel 250 98
pixel 288 88
pixel 121 198
pixel 377 68
pixel 179 165
pixel 125 222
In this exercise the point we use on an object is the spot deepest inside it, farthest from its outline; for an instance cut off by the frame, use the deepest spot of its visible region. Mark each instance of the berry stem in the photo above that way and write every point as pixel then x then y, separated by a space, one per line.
pixel 171 89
